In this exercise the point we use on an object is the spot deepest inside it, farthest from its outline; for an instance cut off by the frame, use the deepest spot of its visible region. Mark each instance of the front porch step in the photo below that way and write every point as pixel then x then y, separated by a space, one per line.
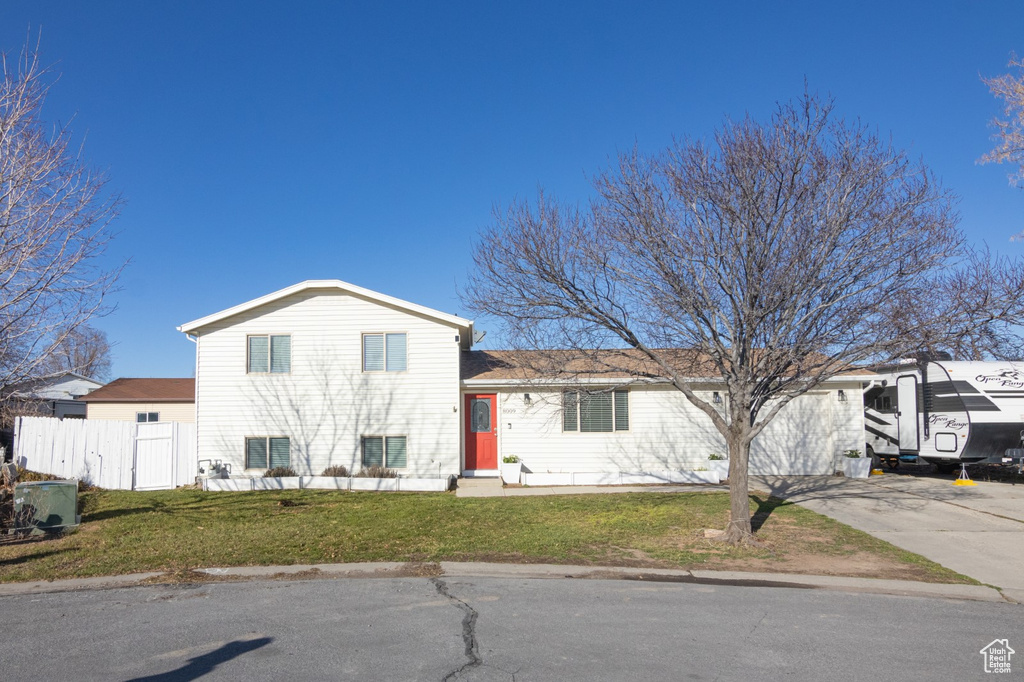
pixel 479 487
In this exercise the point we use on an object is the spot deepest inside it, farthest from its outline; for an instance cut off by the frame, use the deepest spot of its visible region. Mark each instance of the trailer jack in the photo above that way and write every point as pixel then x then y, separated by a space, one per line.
pixel 963 478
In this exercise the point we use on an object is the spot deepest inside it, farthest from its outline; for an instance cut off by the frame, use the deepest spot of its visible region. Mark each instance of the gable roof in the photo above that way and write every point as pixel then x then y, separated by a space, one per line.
pixel 144 391
pixel 454 320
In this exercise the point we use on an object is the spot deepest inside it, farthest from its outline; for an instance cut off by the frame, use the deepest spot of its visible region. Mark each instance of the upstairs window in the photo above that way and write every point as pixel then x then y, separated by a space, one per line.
pixel 595 412
pixel 270 354
pixel 267 453
pixel 384 352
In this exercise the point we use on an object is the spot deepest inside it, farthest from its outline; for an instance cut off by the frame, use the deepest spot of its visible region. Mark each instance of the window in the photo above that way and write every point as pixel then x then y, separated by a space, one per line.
pixel 267 453
pixel 384 451
pixel 384 352
pixel 143 417
pixel 595 412
pixel 270 354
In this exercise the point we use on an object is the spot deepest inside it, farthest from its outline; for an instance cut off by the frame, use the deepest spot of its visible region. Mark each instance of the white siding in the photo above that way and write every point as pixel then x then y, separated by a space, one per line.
pixel 666 432
pixel 169 412
pixel 326 403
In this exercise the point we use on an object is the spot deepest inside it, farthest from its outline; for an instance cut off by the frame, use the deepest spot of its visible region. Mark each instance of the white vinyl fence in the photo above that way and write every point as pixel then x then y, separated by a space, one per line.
pixel 109 454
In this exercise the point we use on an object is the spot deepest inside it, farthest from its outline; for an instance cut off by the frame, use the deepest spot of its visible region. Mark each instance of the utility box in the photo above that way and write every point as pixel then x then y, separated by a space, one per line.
pixel 45 506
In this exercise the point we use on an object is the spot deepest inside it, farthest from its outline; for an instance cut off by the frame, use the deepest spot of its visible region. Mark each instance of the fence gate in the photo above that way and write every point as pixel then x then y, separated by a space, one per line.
pixel 154 456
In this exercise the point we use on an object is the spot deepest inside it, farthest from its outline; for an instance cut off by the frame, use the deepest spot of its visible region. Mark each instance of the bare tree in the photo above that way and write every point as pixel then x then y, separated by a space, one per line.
pixel 774 259
pixel 84 351
pixel 54 228
pixel 1009 135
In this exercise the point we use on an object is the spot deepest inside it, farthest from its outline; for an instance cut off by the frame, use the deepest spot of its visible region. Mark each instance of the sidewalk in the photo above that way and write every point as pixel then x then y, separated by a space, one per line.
pixel 535 572
pixel 492 487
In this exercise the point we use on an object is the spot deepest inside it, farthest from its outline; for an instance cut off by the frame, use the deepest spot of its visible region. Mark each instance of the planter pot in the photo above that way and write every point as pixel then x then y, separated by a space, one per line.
pixel 859 467
pixel 721 466
pixel 325 482
pixel 510 471
pixel 374 484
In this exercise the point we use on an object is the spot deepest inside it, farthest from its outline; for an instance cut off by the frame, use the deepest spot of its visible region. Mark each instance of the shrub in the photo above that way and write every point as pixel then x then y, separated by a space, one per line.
pixel 715 457
pixel 852 454
pixel 510 459
pixel 279 472
pixel 336 470
pixel 376 472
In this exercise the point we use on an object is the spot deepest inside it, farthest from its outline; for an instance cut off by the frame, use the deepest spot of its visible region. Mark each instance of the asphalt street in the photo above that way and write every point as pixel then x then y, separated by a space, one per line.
pixel 495 629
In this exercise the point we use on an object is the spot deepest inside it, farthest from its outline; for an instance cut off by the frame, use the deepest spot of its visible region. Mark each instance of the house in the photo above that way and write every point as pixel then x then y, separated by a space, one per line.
pixel 327 373
pixel 53 396
pixel 144 400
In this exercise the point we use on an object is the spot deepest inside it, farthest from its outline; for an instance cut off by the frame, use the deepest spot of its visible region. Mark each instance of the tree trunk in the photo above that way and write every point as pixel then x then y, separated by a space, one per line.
pixel 739 529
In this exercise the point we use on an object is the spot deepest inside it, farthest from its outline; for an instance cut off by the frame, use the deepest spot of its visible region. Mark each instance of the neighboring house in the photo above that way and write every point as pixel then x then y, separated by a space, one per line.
pixel 325 372
pixel 144 400
pixel 54 396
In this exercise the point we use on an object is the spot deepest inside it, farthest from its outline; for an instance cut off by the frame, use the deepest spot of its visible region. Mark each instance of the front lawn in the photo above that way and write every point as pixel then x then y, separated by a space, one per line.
pixel 174 531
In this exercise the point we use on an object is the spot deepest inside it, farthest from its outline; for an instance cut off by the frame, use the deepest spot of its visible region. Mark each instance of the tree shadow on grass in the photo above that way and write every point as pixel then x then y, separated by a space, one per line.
pixel 14 561
pixel 123 511
pixel 201 665
pixel 764 510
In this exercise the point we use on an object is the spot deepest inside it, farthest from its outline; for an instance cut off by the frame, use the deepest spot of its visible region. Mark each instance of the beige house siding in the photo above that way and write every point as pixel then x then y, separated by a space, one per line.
pixel 169 412
pixel 326 403
pixel 666 432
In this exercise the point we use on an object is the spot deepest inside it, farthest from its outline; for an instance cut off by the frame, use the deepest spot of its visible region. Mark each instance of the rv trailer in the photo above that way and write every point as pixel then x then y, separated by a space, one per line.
pixel 945 412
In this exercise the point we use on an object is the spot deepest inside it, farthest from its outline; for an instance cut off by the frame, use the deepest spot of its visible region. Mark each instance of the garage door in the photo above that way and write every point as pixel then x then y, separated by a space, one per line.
pixel 797 441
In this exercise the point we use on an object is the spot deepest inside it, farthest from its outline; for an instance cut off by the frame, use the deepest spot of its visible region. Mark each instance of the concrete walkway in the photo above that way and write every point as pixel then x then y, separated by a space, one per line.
pixel 534 572
pixel 492 487
pixel 975 530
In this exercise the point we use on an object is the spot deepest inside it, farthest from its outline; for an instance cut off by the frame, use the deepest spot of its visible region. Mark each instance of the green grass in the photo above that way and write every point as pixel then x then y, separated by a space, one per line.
pixel 126 532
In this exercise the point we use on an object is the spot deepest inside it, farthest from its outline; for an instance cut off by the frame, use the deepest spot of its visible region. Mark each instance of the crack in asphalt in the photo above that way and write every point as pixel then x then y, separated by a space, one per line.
pixel 468 630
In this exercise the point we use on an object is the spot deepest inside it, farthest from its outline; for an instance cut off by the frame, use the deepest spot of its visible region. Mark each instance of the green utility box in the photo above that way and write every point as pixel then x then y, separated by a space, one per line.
pixel 45 506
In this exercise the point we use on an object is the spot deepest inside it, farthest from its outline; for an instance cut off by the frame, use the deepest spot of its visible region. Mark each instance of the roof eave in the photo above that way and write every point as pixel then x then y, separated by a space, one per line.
pixel 196 325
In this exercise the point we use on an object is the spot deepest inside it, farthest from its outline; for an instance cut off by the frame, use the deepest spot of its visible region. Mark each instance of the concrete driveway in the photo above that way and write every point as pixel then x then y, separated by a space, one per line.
pixel 975 530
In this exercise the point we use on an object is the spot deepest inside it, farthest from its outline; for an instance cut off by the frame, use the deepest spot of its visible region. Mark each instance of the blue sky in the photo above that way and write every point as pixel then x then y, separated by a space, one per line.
pixel 260 144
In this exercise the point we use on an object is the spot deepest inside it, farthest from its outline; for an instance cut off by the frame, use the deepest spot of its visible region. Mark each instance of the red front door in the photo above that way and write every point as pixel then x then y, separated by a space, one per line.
pixel 481 432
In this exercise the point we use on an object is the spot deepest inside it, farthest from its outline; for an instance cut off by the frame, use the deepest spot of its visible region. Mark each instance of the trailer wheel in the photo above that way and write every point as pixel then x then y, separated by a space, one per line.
pixel 893 462
pixel 870 452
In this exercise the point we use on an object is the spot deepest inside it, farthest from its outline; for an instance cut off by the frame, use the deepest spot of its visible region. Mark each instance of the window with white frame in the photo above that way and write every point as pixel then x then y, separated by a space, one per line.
pixel 601 412
pixel 384 451
pixel 269 354
pixel 385 352
pixel 267 452
pixel 144 417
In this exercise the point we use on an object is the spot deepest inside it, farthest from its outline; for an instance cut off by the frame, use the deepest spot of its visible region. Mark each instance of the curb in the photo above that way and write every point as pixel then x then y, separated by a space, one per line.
pixel 378 570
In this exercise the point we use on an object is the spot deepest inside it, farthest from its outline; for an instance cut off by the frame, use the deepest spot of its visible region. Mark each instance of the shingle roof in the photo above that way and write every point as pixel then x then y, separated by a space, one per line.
pixel 501 365
pixel 144 391
pixel 611 364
